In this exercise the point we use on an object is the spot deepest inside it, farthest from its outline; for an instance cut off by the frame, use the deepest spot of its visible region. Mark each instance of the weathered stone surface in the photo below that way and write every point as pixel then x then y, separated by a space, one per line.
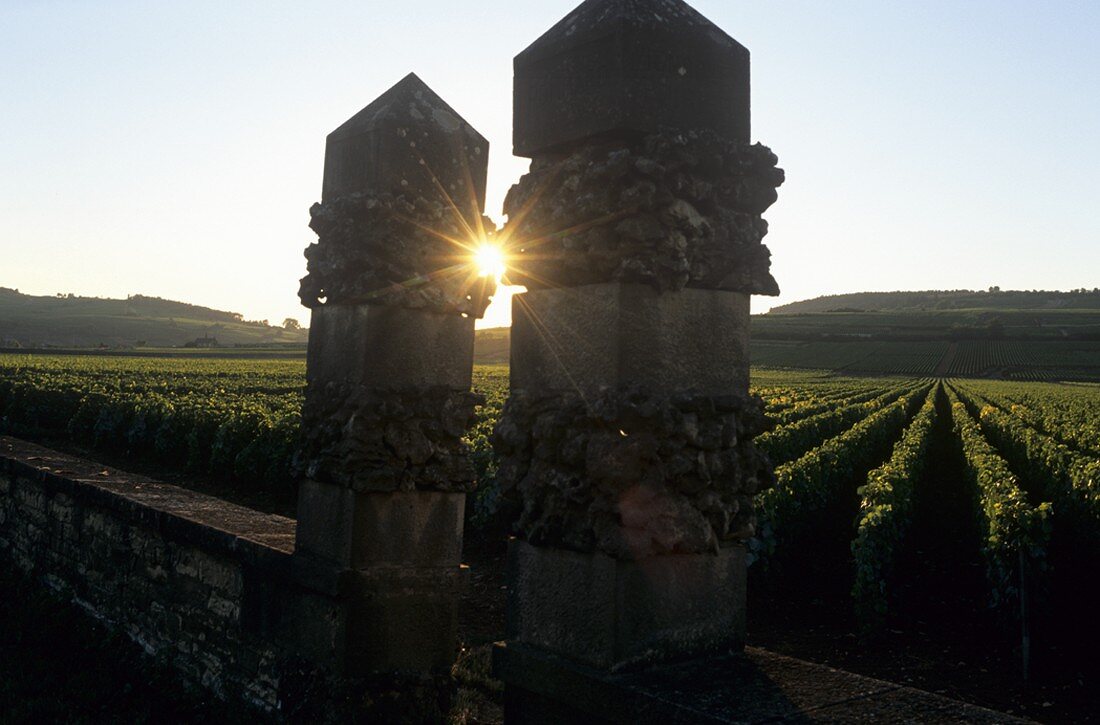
pixel 389 348
pixel 672 210
pixel 409 143
pixel 754 687
pixel 359 530
pixel 614 67
pixel 311 695
pixel 404 620
pixel 167 567
pixel 386 440
pixel 611 335
pixel 394 290
pixel 630 473
pixel 401 208
pixel 609 613
pixel 409 252
pixel 185 577
pixel 380 621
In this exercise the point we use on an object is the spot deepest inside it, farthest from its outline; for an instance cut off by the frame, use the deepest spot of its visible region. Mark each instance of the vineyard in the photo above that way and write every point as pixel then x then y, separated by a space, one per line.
pixel 883 479
pixel 1023 360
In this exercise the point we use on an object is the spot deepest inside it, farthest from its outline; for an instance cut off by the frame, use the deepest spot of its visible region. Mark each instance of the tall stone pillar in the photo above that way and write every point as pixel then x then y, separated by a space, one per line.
pixel 383 469
pixel 626 445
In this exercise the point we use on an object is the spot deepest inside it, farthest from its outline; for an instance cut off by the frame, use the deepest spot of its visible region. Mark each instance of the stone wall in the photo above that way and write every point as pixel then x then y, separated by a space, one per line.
pixel 184 575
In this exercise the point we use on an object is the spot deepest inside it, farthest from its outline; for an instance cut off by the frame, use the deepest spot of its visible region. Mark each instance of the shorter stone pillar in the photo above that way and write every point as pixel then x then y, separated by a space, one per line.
pixel 383 467
pixel 626 446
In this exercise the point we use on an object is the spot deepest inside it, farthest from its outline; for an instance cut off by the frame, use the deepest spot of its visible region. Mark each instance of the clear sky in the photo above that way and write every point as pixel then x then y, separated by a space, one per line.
pixel 174 148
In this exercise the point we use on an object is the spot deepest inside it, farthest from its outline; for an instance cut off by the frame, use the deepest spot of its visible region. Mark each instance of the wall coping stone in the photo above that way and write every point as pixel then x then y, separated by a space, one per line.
pixel 194 517
pixel 249 537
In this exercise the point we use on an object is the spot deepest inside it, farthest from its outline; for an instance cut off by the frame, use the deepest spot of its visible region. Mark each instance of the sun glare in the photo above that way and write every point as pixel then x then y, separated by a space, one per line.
pixel 490 261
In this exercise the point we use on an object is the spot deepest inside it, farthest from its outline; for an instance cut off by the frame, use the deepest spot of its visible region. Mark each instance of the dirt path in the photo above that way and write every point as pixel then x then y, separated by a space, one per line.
pixel 944 365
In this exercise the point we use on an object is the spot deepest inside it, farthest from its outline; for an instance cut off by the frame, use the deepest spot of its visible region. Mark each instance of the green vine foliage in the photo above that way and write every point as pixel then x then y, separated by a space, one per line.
pixel 788 442
pixel 886 509
pixel 1010 524
pixel 806 486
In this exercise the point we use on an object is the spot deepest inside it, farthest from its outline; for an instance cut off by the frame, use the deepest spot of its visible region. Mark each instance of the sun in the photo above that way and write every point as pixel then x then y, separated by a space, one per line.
pixel 489 260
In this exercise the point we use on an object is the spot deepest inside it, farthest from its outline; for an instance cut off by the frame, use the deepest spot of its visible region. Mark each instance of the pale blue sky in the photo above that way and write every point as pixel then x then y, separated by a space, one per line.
pixel 174 148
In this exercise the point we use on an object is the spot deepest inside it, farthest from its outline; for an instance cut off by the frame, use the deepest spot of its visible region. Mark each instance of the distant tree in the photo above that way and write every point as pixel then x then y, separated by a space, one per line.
pixel 994 290
pixel 291 324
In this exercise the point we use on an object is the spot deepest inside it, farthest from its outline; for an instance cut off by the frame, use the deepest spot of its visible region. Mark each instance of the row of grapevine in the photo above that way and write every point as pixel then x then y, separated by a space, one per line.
pixel 886 503
pixel 1072 417
pixel 1068 479
pixel 851 356
pixel 781 399
pixel 491 382
pixel 806 486
pixel 1014 531
pixel 1027 360
pixel 816 406
pixel 1081 433
pixel 236 419
pixel 788 442
pixel 246 436
pixel 1064 473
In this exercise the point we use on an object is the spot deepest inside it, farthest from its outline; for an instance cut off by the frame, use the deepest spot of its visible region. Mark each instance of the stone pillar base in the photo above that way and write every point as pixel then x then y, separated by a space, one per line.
pixel 352 530
pixel 393 619
pixel 616 615
pixel 310 695
pixel 544 689
pixel 375 621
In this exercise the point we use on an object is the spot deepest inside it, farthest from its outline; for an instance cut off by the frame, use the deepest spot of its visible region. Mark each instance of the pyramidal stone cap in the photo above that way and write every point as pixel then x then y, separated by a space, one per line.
pixel 615 68
pixel 402 144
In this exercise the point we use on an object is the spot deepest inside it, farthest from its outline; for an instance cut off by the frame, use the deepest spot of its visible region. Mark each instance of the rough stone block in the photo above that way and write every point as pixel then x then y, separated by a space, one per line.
pixel 607 613
pixel 222 576
pixel 188 561
pixel 383 620
pixel 627 334
pixel 404 620
pixel 360 530
pixel 60 508
pixel 385 347
pixel 408 141
pixel 615 67
pixel 223 608
pixel 314 625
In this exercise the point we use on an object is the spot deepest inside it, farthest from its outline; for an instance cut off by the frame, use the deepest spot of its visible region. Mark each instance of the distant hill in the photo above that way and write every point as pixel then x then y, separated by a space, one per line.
pixel 1017 335
pixel 1013 335
pixel 994 299
pixel 492 346
pixel 995 334
pixel 138 321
